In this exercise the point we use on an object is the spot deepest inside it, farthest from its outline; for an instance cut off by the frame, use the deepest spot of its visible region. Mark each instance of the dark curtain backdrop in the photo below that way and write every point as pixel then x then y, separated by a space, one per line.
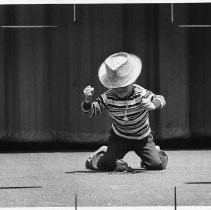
pixel 43 71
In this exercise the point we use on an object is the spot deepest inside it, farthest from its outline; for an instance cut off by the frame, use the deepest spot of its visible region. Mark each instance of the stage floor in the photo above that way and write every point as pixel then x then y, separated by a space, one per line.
pixel 59 179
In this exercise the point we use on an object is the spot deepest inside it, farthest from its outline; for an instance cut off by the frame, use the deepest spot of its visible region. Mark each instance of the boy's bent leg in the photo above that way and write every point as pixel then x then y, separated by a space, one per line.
pixel 153 158
pixel 116 150
pixel 107 161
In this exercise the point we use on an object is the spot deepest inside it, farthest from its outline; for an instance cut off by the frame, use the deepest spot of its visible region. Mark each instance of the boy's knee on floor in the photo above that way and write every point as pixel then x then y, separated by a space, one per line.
pixel 155 167
pixel 158 163
pixel 106 164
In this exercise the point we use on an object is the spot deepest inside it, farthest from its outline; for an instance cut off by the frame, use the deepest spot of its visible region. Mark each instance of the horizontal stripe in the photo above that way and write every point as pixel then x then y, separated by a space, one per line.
pixel 134 122
pixel 131 136
pixel 134 131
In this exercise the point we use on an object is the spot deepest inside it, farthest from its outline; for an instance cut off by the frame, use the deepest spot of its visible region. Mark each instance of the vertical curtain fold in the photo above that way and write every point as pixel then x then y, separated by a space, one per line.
pixel 200 74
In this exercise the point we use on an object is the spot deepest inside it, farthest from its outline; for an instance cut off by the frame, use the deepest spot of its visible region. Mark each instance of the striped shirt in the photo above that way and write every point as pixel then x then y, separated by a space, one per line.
pixel 129 118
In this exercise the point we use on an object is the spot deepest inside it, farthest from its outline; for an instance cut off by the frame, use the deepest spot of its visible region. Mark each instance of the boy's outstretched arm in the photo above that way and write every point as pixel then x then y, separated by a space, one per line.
pixel 89 107
pixel 152 101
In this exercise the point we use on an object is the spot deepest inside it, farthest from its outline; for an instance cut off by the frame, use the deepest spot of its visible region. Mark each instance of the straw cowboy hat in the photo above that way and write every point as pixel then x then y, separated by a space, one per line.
pixel 119 70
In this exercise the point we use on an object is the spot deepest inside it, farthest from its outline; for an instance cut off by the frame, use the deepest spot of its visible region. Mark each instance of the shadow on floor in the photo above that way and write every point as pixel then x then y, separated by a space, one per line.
pixel 135 171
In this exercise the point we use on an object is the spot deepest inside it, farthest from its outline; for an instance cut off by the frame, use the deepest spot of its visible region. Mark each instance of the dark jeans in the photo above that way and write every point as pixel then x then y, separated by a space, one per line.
pixel 144 148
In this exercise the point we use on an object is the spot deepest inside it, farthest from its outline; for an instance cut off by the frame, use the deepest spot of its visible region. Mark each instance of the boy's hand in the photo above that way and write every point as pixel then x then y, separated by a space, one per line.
pixel 147 104
pixel 88 93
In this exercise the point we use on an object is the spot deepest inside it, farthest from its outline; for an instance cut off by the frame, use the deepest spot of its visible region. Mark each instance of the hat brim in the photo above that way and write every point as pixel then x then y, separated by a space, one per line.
pixel 136 66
